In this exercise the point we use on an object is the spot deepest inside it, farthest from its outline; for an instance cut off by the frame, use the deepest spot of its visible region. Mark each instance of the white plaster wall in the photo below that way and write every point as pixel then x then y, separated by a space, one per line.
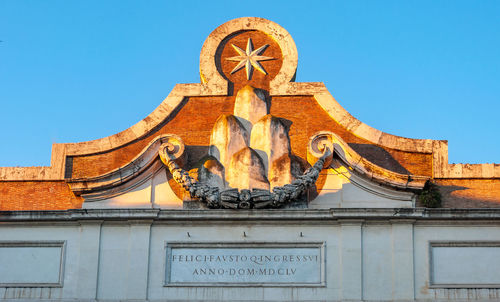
pixel 145 191
pixel 34 233
pixel 424 234
pixel 123 257
pixel 18 259
pixel 346 190
pixel 377 262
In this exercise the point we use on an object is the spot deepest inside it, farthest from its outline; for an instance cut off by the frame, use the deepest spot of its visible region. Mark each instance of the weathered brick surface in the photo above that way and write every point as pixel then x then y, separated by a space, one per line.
pixel 42 195
pixel 470 193
pixel 308 118
pixel 193 123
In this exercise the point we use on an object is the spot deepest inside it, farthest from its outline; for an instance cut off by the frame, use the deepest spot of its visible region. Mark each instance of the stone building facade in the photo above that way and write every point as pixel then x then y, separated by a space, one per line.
pixel 250 186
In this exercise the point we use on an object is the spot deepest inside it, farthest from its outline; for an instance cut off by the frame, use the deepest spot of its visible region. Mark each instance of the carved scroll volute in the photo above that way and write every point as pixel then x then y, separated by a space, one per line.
pixel 172 150
pixel 321 144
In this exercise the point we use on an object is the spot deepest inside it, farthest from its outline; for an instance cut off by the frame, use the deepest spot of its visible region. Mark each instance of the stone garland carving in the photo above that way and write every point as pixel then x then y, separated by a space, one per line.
pixel 240 199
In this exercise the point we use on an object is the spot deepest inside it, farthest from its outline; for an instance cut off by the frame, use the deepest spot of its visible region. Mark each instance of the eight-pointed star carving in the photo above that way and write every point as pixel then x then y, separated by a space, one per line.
pixel 249 58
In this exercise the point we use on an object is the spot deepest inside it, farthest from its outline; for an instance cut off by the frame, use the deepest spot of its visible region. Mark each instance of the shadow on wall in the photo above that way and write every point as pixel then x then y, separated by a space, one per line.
pixel 455 196
pixel 379 156
pixel 195 156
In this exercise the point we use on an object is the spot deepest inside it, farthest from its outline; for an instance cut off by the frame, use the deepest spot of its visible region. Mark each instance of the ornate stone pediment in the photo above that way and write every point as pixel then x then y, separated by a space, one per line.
pixel 250 137
pixel 249 162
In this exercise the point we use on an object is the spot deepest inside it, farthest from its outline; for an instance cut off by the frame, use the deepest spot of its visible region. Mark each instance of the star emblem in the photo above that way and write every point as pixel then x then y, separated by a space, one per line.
pixel 249 59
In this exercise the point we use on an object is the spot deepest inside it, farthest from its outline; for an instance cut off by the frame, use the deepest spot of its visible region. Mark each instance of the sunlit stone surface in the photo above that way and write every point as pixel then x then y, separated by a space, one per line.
pixel 247 171
pixel 270 138
pixel 228 137
pixel 250 105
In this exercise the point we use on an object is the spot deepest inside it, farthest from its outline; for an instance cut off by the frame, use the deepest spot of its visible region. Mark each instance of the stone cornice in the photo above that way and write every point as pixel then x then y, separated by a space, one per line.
pixel 325 216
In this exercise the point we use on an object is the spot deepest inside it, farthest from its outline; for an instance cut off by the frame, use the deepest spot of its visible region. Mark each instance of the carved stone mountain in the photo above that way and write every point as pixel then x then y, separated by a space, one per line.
pixel 249 149
pixel 249 156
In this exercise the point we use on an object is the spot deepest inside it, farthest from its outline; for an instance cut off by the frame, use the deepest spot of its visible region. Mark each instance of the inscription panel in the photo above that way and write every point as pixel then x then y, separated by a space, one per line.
pixel 465 264
pixel 236 264
pixel 31 263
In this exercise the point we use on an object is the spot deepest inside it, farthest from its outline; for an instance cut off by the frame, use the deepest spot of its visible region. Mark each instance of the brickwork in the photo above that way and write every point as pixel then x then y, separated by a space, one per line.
pixel 306 116
pixel 193 123
pixel 42 195
pixel 470 193
pixel 309 118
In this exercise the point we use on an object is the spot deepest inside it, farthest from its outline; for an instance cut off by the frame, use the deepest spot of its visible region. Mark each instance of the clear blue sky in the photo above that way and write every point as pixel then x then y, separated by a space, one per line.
pixel 73 71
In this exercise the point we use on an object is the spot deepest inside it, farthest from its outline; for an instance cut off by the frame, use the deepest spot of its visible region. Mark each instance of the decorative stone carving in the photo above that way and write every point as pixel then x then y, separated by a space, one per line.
pixel 249 58
pixel 212 172
pixel 247 171
pixel 253 168
pixel 228 137
pixel 250 106
pixel 250 149
pixel 242 199
pixel 325 142
pixel 269 137
pixel 319 144
pixel 236 172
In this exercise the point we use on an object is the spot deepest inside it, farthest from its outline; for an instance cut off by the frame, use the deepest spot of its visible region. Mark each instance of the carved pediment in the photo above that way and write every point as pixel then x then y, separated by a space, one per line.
pixel 241 140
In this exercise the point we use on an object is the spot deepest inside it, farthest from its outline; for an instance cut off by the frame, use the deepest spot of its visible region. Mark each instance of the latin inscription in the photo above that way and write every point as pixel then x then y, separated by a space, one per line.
pixel 256 265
